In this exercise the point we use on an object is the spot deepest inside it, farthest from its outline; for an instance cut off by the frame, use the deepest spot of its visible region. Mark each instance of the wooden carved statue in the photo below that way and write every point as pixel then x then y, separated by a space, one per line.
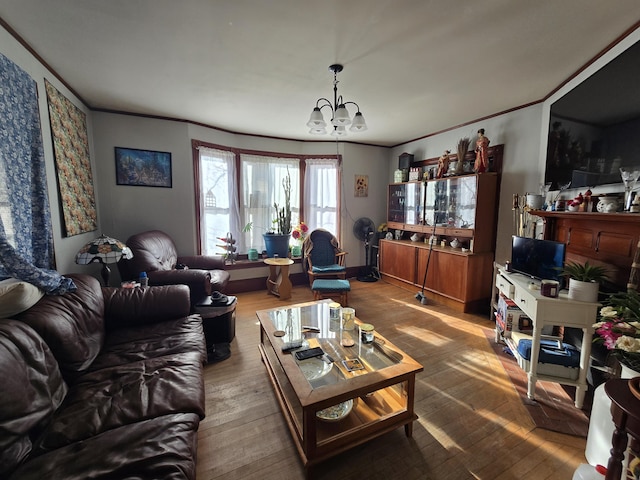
pixel 482 153
pixel 443 164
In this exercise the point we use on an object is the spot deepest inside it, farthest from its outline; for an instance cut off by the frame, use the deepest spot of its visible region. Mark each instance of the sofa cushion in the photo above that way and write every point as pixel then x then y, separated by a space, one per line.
pixel 17 296
pixel 127 307
pixel 125 394
pixel 133 344
pixel 72 325
pixel 162 447
pixel 32 389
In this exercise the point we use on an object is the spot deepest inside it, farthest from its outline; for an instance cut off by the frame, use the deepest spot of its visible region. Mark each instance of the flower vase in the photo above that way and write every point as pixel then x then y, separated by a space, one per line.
pixel 296 250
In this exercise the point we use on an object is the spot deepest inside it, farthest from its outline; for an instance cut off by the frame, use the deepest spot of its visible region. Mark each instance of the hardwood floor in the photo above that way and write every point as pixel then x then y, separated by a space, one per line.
pixel 472 424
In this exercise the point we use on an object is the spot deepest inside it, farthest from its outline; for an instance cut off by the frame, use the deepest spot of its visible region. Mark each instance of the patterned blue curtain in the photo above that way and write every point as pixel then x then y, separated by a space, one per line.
pixel 26 240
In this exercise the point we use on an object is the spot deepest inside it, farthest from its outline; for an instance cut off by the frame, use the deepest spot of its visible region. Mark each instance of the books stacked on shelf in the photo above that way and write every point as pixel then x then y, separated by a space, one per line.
pixel 510 318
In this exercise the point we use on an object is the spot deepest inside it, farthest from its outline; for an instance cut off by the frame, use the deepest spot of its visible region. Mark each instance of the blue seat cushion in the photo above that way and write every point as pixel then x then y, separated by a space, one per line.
pixel 332 285
pixel 567 356
pixel 335 268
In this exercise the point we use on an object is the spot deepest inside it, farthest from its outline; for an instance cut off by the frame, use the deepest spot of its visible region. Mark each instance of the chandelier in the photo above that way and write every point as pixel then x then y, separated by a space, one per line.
pixel 340 116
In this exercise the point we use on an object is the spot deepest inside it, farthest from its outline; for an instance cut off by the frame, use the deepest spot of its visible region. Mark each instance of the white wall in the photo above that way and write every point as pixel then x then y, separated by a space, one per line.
pixel 521 170
pixel 65 247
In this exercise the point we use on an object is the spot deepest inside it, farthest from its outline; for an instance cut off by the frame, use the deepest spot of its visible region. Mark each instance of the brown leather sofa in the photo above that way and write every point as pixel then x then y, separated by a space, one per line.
pixel 155 253
pixel 102 383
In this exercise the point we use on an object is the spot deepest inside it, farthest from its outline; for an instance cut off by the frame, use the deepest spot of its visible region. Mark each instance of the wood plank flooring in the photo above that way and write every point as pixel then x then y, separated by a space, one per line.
pixel 471 425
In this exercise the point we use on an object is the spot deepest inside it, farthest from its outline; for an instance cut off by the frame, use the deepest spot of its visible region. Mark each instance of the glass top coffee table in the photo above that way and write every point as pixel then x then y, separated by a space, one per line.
pixel 344 398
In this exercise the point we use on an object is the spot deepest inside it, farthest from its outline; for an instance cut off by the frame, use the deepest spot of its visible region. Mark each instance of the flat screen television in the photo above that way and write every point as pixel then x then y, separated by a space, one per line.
pixel 541 259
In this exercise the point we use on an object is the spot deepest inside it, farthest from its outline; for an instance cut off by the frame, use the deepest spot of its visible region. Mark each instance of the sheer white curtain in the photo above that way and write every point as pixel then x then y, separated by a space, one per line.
pixel 219 212
pixel 261 187
pixel 322 194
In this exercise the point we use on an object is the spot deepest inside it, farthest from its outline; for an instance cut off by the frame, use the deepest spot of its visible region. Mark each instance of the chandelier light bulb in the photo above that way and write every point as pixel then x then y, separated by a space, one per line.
pixel 358 124
pixel 318 131
pixel 316 120
pixel 339 131
pixel 341 118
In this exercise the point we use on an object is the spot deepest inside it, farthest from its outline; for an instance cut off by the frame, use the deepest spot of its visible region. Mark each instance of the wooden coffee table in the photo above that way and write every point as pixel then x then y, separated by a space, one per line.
pixel 328 408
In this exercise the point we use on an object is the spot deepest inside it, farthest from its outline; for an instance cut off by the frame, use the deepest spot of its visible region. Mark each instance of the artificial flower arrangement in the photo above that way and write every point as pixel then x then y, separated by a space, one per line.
pixel 619 327
pixel 300 231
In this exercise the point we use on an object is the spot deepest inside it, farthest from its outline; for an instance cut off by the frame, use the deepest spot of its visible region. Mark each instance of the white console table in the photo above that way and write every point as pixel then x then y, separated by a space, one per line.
pixel 561 311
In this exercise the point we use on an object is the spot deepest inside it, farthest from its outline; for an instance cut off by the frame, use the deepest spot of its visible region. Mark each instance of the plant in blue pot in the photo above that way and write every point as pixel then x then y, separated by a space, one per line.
pixel 277 244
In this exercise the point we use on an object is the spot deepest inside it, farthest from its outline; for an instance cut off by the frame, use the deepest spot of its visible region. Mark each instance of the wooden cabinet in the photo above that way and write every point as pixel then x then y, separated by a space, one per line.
pixel 398 260
pixel 608 239
pixel 462 207
pixel 459 279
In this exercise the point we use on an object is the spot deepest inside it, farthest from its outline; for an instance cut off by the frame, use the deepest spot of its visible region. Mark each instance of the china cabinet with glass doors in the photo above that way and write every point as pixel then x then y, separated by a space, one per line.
pixel 459 214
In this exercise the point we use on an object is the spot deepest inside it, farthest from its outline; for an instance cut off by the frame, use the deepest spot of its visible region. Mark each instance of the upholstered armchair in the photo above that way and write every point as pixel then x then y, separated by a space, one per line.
pixel 323 257
pixel 155 253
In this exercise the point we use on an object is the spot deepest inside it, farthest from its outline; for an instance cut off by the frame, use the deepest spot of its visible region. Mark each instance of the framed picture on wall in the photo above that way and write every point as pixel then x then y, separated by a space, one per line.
pixel 143 168
pixel 361 186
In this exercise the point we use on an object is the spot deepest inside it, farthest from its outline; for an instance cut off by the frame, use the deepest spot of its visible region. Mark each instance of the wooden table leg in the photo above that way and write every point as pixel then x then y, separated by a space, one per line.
pixel 408 429
pixel 285 283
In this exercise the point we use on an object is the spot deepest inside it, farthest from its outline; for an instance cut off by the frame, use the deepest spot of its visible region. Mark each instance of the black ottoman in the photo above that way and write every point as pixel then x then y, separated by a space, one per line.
pixel 219 324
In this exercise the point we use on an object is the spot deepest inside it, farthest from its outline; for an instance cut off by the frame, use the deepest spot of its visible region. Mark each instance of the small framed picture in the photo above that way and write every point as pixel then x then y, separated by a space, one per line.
pixel 143 168
pixel 362 186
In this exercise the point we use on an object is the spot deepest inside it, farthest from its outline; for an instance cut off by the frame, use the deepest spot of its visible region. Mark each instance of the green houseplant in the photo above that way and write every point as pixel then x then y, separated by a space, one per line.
pixel 277 244
pixel 584 280
pixel 283 215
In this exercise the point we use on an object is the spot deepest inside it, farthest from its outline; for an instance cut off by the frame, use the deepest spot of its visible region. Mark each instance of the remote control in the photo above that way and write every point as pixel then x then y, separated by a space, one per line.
pixel 309 353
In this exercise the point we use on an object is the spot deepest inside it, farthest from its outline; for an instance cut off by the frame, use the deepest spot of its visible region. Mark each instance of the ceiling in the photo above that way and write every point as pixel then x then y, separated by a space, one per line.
pixel 414 67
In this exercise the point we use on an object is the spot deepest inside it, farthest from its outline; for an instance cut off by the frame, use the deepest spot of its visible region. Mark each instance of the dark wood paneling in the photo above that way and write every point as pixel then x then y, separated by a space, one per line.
pixel 607 239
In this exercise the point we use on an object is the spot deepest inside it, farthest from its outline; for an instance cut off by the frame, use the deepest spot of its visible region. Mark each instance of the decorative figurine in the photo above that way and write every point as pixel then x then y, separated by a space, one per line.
pixel 443 164
pixel 482 153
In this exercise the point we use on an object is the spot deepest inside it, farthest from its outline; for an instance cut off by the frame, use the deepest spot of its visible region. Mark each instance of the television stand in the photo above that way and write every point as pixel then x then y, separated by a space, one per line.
pixel 547 311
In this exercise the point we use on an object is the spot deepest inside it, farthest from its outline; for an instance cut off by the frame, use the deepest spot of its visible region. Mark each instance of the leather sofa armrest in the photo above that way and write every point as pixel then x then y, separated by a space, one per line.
pixel 203 262
pixel 198 281
pixel 140 306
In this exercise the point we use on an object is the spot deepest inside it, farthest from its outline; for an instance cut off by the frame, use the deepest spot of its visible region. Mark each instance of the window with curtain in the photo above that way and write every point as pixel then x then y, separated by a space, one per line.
pixel 242 201
pixel 322 194
pixel 218 201
pixel 261 188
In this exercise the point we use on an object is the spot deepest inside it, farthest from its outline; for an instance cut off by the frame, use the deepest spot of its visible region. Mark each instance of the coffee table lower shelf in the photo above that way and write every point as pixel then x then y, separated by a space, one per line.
pixel 377 410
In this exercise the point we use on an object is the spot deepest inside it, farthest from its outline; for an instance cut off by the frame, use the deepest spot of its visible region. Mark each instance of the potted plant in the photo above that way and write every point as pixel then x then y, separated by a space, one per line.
pixel 277 244
pixel 584 280
pixel 619 330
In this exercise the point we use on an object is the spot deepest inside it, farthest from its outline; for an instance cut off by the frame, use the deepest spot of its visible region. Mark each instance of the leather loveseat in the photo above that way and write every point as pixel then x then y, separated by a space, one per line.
pixel 102 383
pixel 155 253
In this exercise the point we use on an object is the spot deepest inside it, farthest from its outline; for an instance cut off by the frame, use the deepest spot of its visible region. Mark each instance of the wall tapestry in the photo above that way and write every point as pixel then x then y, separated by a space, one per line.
pixel 144 168
pixel 73 165
pixel 25 219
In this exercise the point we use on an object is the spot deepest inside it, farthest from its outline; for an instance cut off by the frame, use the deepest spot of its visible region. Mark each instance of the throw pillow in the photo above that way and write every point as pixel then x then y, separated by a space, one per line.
pixel 17 296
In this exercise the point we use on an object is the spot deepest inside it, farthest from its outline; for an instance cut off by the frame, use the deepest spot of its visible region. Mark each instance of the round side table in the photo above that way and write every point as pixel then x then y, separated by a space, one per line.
pixel 278 282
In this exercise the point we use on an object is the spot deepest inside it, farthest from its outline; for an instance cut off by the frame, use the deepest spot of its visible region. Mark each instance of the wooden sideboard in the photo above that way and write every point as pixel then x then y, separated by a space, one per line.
pixel 459 279
pixel 608 239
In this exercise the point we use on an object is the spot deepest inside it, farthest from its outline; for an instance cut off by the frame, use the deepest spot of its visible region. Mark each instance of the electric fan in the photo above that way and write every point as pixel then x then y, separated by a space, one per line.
pixel 364 229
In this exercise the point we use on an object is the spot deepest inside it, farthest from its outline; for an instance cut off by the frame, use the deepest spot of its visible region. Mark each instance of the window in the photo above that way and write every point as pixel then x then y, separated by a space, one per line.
pixel 322 194
pixel 261 189
pixel 238 188
pixel 217 207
